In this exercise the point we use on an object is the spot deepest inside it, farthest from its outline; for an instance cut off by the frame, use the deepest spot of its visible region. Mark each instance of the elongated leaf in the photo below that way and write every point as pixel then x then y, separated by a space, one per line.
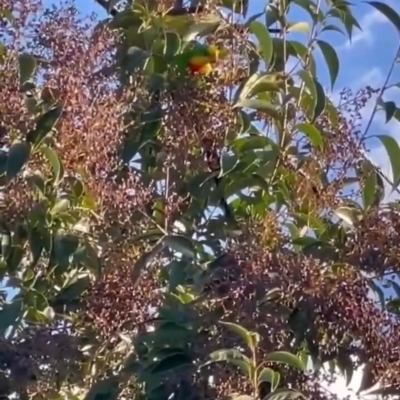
pixel 312 133
pixel 271 376
pixel 285 394
pixel 303 27
pixel 228 354
pixel 264 38
pixel 203 26
pixel 393 151
pixel 181 244
pixel 228 163
pixel 285 358
pixel 390 109
pixel 55 162
pixel 317 93
pixel 143 262
pixel 175 361
pixel 388 12
pixel 331 58
pixel 44 126
pixel 27 67
pixel 250 339
pixel 9 314
pixel 18 156
pixel 347 214
pixel 260 105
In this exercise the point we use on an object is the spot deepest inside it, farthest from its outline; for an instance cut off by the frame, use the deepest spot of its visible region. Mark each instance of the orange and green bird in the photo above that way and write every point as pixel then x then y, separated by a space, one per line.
pixel 201 59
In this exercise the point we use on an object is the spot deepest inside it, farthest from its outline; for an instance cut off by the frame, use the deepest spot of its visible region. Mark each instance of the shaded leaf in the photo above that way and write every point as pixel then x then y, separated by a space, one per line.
pixel 73 291
pixel 204 25
pixel 18 156
pixel 393 151
pixel 143 262
pixel 387 11
pixel 249 339
pixel 106 389
pixel 285 358
pixel 174 361
pixel 368 378
pixel 390 109
pixel 180 244
pixel 331 58
pixel 9 314
pixel 317 93
pixel 44 126
pixel 27 67
pixel 237 6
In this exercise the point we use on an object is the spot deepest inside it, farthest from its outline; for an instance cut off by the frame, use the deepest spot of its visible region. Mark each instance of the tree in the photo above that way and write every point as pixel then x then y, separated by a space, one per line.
pixel 175 236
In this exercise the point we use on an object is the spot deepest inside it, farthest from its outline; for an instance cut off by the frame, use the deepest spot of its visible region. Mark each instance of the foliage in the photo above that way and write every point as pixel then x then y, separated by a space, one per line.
pixel 174 236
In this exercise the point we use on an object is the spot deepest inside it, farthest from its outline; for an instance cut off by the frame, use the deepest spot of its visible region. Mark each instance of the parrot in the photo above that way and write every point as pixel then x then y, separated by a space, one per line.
pixel 201 58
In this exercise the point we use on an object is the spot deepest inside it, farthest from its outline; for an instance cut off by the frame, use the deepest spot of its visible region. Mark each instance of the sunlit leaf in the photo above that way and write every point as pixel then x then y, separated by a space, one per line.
pixel 264 38
pixel 271 376
pixel 347 214
pixel 284 357
pixel 55 162
pixel 302 27
pixel 204 25
pixel 259 105
pixel 312 133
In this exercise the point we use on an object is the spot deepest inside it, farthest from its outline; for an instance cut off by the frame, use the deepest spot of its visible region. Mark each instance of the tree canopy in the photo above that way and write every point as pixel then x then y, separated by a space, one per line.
pixel 169 235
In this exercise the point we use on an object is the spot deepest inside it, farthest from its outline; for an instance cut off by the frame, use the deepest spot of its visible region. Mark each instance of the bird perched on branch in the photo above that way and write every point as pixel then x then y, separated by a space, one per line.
pixel 201 59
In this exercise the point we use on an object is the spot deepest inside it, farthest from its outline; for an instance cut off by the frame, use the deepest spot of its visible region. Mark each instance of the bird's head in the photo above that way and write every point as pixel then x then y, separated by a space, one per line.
pixel 217 53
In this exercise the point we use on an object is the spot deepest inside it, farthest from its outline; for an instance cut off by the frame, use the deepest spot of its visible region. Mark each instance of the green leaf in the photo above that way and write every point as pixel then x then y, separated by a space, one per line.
pixel 259 105
pixel 258 83
pixel 18 156
pixel 227 355
pixel 136 58
pixel 347 214
pixel 264 38
pixel 393 151
pixel 303 27
pixel 173 362
pixel 390 109
pixel 317 93
pixel 9 315
pixel 204 25
pixel 331 58
pixel 373 185
pixel 73 291
pixel 285 394
pixel 228 163
pixel 284 357
pixel 106 389
pixel 44 126
pixel 64 247
pixel 143 262
pixel 60 206
pixel 388 12
pixel 180 244
pixel 271 376
pixel 312 133
pixel 249 338
pixel 27 67
pixel 55 162
pixel 172 44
